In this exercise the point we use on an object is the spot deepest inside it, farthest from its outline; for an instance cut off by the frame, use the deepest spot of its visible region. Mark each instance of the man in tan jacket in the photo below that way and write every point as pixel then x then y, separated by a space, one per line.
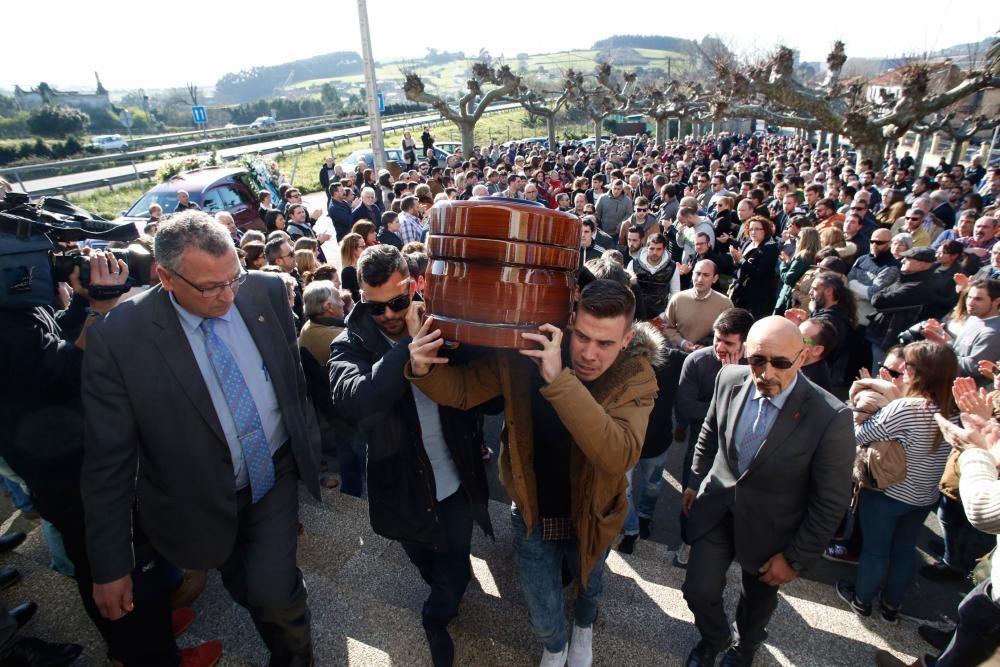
pixel 588 401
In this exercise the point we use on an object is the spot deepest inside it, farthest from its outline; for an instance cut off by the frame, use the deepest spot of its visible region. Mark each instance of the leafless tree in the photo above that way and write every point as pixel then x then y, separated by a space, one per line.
pixel 471 106
pixel 544 104
pixel 601 94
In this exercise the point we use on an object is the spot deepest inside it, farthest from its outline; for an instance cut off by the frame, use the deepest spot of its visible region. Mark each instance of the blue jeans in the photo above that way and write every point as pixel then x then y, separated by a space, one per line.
pixel 539 566
pixel 963 544
pixel 888 553
pixel 649 473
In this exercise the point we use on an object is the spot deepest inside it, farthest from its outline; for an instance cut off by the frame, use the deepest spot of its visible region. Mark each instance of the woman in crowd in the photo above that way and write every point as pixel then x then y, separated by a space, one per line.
pixel 255 258
pixel 893 208
pixel 756 283
pixel 793 268
pixel 386 189
pixel 351 247
pixel 369 209
pixel 727 224
pixel 305 261
pixel 366 231
pixel 891 518
pixel 275 220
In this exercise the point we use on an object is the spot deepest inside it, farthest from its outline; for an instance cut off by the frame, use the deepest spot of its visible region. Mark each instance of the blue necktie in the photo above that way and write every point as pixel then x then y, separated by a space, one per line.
pixel 253 440
pixel 752 440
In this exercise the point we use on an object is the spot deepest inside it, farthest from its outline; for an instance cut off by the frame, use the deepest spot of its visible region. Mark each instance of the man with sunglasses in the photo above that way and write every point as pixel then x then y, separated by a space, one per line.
pixel 873 273
pixel 770 482
pixel 209 455
pixel 426 477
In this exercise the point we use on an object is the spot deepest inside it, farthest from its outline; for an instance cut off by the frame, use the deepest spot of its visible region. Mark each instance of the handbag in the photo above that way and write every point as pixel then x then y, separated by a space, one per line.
pixel 880 464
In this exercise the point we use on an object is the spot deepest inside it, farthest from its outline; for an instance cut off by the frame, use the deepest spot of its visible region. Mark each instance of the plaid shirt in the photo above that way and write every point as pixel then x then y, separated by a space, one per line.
pixel 410 228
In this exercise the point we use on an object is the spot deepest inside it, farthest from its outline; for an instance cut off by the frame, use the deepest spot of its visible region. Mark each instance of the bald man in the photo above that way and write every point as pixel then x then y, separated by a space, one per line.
pixel 788 446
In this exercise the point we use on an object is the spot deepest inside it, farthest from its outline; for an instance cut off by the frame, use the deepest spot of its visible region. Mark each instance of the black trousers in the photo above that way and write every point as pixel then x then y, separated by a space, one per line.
pixel 978 633
pixel 143 637
pixel 262 573
pixel 446 572
pixel 705 582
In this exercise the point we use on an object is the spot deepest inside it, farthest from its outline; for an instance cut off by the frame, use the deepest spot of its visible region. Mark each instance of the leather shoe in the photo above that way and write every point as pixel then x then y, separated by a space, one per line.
pixel 191 587
pixel 202 655
pixel 702 656
pixel 38 653
pixel 8 577
pixel 22 613
pixel 934 636
pixel 11 541
pixel 739 655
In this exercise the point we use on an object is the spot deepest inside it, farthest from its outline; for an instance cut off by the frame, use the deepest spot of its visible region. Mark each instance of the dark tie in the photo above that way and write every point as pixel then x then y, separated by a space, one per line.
pixel 253 440
pixel 755 437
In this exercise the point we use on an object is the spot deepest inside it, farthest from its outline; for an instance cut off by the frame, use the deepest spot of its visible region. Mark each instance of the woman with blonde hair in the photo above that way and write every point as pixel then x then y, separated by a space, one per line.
pixel 793 268
pixel 305 262
pixel 351 247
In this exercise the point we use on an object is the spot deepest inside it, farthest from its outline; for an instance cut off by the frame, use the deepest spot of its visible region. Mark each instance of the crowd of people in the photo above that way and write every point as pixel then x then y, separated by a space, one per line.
pixel 820 336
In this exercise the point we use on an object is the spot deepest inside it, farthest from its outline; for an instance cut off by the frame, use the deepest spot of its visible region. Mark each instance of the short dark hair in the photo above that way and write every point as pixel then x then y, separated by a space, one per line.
pixel 418 262
pixel 388 218
pixel 407 203
pixel 825 336
pixel 635 229
pixel 607 299
pixel 733 321
pixel 991 286
pixel 379 262
pixel 273 249
pixel 588 221
pixel 658 237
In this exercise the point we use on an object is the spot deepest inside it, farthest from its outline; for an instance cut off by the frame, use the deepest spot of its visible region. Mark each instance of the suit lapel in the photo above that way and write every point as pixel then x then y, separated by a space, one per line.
pixel 170 339
pixel 786 422
pixel 741 393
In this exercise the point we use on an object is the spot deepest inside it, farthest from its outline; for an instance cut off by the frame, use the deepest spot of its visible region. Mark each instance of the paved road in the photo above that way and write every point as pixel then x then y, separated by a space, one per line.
pixel 118 174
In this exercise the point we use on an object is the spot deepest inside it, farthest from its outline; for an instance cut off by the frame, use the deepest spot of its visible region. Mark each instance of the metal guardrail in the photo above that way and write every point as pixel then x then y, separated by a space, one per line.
pixel 141 171
pixel 116 159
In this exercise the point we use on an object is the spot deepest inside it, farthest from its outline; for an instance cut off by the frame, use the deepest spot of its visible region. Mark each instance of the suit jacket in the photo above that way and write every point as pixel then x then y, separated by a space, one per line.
pixel 154 441
pixel 795 492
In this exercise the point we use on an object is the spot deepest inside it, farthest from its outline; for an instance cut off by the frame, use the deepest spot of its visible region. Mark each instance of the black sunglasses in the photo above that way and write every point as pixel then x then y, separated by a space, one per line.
pixel 879 242
pixel 781 363
pixel 395 304
pixel 893 374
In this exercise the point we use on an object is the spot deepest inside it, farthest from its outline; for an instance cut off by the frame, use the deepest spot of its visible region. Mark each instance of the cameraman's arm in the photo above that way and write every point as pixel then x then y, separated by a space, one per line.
pixel 105 271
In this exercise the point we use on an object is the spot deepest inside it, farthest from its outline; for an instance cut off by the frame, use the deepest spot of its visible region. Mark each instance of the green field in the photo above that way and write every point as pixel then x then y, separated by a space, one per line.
pixel 449 78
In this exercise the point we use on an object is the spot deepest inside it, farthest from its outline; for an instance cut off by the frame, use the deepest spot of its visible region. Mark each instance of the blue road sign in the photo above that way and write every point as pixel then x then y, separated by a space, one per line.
pixel 199 114
pixel 381 102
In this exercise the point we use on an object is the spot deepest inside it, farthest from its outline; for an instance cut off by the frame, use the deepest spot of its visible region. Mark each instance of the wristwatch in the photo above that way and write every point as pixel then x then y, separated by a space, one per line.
pixel 93 313
pixel 795 565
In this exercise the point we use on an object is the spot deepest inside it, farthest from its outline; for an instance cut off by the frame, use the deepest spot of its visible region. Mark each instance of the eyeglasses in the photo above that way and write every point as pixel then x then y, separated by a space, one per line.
pixel 780 363
pixel 809 341
pixel 216 290
pixel 395 304
pixel 641 210
pixel 879 242
pixel 893 374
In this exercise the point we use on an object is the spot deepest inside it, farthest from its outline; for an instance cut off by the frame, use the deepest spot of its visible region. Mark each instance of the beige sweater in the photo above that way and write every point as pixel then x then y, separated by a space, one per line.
pixel 980 491
pixel 689 318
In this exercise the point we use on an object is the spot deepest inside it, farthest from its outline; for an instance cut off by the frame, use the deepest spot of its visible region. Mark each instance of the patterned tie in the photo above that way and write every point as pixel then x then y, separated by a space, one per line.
pixel 752 441
pixel 253 440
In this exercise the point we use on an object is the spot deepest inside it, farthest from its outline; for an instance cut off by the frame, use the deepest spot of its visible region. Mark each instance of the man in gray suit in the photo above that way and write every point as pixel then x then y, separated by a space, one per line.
pixel 770 482
pixel 197 419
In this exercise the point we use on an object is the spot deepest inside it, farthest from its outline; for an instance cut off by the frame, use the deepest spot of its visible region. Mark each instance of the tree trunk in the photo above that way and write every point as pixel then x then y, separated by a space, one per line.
pixel 597 133
pixel 715 126
pixel 821 141
pixel 467 128
pixel 873 151
pixel 923 141
pixel 834 145
pixel 550 130
pixel 662 123
pixel 957 150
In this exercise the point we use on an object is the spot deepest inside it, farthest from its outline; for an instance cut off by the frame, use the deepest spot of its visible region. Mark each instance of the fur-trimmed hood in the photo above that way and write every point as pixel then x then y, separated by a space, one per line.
pixel 647 342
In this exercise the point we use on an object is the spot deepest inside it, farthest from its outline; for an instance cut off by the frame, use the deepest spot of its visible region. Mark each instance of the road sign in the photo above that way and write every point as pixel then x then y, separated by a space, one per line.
pixel 199 114
pixel 381 102
pixel 126 119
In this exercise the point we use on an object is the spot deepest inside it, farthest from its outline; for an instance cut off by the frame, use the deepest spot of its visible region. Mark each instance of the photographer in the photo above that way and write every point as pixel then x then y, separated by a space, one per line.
pixel 41 353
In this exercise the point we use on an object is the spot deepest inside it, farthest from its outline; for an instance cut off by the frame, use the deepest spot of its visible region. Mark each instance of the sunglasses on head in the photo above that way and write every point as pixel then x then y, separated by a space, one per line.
pixel 781 363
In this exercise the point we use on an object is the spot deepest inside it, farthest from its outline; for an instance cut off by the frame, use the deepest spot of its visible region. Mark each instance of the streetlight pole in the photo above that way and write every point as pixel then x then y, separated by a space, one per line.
pixel 374 118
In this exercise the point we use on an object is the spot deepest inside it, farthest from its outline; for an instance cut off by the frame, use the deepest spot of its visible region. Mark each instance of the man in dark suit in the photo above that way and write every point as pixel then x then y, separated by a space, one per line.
pixel 770 482
pixel 197 419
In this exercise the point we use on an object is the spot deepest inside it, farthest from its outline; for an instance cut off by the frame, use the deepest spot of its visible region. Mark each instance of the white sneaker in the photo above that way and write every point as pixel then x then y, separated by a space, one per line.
pixel 554 659
pixel 681 555
pixel 581 647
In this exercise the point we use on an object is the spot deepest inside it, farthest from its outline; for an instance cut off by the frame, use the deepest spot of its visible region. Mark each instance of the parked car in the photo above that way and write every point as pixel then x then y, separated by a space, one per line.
pixel 263 122
pixel 214 189
pixel 110 142
pixel 447 147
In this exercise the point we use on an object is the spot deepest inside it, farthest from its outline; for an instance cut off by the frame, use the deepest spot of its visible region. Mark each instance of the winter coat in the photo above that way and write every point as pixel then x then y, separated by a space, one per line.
pixel 606 421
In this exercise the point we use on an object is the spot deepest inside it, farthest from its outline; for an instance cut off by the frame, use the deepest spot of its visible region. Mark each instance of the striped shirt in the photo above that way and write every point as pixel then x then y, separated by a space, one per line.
pixel 911 422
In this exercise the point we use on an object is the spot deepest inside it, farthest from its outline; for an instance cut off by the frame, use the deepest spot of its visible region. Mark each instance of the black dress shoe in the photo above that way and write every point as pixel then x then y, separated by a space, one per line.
pixel 935 637
pixel 702 655
pixel 22 613
pixel 739 655
pixel 645 528
pixel 32 652
pixel 11 541
pixel 8 577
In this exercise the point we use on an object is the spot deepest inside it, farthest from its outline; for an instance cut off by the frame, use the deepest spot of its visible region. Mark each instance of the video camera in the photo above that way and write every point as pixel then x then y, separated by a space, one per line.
pixel 32 261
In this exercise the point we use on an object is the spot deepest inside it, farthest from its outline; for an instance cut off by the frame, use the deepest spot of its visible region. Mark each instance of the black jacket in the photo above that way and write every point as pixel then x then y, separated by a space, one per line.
pixel 369 390
pixel 756 284
pixel 915 297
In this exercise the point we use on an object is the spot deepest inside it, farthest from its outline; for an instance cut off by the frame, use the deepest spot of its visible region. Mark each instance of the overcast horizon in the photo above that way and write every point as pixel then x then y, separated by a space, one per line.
pixel 884 33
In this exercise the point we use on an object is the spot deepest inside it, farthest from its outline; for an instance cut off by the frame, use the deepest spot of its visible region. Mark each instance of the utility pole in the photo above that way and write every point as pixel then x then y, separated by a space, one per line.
pixel 374 118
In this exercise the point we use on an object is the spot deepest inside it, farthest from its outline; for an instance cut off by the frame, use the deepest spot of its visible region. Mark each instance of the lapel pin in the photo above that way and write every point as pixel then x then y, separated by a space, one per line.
pixel 795 416
pixel 260 318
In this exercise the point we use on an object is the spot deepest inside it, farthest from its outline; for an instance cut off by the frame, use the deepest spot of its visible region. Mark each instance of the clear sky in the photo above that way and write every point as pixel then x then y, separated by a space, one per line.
pixel 160 45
